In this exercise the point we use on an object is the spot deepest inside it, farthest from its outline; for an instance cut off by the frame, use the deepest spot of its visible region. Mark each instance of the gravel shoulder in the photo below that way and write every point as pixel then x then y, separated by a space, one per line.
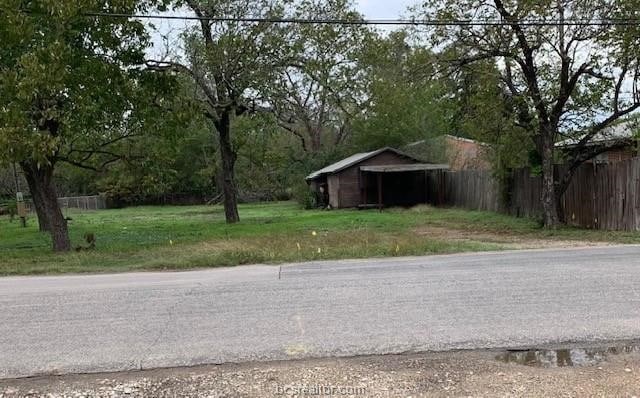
pixel 508 240
pixel 446 374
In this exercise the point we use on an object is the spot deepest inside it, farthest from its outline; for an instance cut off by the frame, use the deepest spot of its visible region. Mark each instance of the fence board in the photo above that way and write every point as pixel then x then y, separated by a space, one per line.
pixel 600 196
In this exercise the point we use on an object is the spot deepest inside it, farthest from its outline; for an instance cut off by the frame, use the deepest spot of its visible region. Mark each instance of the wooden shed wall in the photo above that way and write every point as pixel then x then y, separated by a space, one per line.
pixel 349 184
pixel 333 184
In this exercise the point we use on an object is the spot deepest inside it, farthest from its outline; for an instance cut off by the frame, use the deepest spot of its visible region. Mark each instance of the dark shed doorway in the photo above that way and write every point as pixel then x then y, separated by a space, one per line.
pixel 395 185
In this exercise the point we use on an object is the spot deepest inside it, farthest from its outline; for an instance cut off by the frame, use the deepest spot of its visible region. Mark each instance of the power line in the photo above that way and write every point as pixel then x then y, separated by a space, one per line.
pixel 394 22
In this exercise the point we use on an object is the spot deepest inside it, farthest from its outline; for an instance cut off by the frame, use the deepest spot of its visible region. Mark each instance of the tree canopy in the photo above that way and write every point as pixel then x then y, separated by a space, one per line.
pixel 243 107
pixel 69 88
pixel 571 79
pixel 406 98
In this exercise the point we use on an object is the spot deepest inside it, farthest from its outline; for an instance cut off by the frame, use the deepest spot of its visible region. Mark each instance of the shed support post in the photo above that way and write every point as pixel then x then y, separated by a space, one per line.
pixel 363 187
pixel 380 191
pixel 425 190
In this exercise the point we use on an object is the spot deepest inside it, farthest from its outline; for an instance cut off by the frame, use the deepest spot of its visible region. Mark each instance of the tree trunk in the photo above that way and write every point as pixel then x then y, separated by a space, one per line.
pixel 43 220
pixel 45 198
pixel 229 157
pixel 549 200
pixel 316 140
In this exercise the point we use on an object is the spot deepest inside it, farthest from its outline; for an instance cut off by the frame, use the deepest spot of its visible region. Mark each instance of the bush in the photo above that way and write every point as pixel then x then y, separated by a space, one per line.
pixel 9 207
pixel 302 194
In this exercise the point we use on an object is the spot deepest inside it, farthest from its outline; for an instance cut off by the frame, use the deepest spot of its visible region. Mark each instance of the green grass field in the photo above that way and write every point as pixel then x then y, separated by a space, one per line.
pixel 158 238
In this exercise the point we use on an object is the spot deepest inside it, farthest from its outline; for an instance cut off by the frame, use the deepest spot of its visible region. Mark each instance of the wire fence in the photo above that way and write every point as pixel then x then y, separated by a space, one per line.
pixel 96 202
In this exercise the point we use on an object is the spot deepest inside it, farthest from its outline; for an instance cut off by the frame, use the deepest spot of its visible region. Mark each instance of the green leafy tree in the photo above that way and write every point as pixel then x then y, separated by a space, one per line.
pixel 265 167
pixel 230 62
pixel 576 79
pixel 316 96
pixel 67 90
pixel 485 110
pixel 406 99
pixel 171 159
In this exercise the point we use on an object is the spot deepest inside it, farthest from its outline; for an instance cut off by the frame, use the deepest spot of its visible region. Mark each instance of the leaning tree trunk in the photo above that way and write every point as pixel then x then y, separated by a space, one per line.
pixel 229 157
pixel 550 202
pixel 43 220
pixel 44 195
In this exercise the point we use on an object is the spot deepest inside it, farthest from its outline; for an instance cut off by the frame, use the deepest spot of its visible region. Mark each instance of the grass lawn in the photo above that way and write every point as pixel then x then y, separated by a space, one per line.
pixel 153 238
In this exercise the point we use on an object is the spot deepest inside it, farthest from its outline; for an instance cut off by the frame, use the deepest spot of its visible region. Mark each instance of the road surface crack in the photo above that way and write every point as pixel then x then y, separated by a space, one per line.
pixel 170 318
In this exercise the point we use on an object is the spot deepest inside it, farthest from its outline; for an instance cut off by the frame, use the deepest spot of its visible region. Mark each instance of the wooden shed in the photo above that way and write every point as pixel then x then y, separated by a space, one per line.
pixel 385 177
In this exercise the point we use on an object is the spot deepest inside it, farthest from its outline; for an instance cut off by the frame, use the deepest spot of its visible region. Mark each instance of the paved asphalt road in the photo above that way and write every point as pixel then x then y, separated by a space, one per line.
pixel 97 323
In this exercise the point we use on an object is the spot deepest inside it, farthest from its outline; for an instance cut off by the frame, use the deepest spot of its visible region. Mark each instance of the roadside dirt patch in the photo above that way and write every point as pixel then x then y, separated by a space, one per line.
pixel 510 241
pixel 447 374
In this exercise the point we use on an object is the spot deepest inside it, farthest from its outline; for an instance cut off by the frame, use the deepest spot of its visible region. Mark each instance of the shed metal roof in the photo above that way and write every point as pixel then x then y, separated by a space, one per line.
pixel 352 160
pixel 395 168
pixel 623 131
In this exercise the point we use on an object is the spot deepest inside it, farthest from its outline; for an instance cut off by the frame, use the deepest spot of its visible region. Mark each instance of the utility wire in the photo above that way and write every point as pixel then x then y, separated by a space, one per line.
pixel 396 22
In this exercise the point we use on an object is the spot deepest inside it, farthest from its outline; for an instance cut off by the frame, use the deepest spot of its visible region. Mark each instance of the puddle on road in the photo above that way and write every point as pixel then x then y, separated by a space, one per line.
pixel 552 358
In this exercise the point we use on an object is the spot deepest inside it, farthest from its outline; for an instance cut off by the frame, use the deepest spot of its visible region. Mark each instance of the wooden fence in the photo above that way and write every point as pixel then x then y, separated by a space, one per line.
pixel 600 196
pixel 472 189
pixel 524 195
pixel 605 196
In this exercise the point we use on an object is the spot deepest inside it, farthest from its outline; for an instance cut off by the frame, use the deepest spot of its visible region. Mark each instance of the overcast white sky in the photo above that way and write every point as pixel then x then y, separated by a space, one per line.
pixel 381 9
pixel 371 9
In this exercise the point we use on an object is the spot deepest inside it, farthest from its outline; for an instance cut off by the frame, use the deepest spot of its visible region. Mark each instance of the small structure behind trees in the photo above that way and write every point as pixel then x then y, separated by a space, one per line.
pixel 384 177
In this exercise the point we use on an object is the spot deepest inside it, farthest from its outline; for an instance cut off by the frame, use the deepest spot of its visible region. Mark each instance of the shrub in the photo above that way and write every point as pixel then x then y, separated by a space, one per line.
pixel 302 194
pixel 9 207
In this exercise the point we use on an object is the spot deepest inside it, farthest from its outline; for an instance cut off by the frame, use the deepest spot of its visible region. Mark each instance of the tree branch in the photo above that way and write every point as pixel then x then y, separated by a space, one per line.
pixel 527 64
pixel 163 66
